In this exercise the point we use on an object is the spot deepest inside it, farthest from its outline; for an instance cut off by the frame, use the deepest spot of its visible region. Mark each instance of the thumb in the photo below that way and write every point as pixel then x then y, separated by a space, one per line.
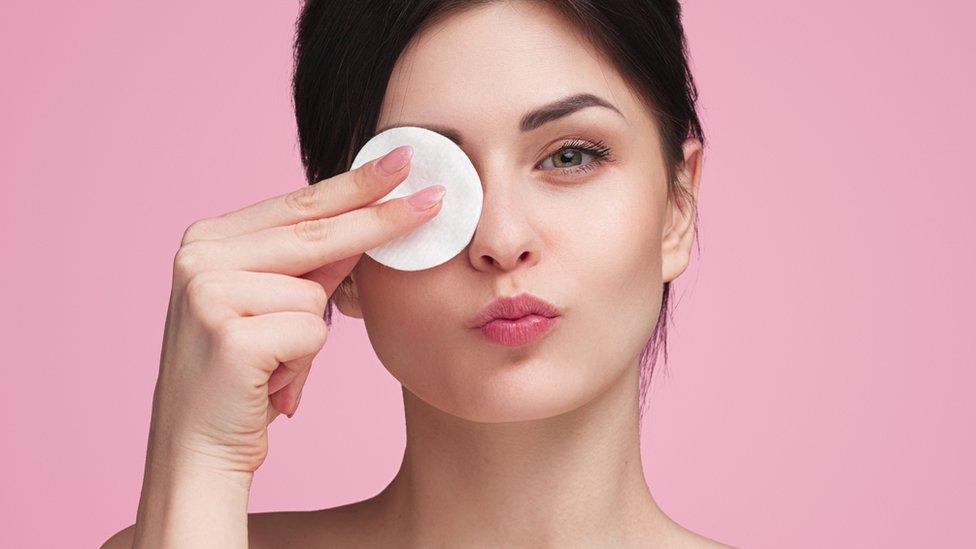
pixel 273 413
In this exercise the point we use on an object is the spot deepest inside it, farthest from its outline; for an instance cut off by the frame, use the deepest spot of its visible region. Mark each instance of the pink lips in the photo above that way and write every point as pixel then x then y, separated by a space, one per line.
pixel 514 321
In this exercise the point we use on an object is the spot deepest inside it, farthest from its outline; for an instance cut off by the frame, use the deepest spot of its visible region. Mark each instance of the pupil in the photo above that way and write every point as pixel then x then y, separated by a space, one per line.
pixel 568 155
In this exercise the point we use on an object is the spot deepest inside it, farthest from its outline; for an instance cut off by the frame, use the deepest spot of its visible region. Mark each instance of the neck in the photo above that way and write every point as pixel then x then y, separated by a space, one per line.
pixel 557 481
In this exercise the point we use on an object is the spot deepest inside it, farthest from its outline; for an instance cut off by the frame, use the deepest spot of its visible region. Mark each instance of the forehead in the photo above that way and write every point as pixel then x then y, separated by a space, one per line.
pixel 484 67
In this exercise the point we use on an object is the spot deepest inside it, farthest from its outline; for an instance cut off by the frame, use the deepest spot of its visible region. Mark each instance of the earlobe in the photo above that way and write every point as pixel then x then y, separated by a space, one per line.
pixel 679 223
pixel 347 298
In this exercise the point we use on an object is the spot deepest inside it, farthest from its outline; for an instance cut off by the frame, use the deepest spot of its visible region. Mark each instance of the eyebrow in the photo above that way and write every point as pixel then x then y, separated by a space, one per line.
pixel 530 120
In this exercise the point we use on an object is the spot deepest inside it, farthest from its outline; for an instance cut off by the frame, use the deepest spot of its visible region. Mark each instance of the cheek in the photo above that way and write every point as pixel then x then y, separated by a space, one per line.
pixel 404 313
pixel 611 236
pixel 386 304
pixel 612 258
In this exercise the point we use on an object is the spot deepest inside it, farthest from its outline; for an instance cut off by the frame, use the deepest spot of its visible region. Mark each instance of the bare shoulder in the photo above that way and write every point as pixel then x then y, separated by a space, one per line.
pixel 684 537
pixel 352 524
pixel 699 540
pixel 122 538
pixel 357 524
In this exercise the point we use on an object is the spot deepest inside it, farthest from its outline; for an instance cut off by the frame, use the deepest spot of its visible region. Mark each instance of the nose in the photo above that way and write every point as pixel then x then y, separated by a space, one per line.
pixel 505 238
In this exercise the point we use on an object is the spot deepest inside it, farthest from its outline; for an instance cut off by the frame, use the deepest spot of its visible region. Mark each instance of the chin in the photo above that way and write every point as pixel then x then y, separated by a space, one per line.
pixel 528 390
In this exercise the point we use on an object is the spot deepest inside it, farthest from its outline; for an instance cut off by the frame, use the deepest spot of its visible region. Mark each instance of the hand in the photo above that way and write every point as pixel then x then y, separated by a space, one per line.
pixel 246 309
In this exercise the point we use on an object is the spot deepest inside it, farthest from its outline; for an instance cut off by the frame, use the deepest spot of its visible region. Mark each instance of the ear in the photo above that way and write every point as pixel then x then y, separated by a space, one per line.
pixel 679 224
pixel 347 297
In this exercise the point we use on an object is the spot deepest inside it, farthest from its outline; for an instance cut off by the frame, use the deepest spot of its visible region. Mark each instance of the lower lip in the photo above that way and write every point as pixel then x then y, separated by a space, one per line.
pixel 519 331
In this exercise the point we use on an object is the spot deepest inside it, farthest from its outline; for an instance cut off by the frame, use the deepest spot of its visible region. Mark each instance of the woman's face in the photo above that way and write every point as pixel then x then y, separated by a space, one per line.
pixel 594 238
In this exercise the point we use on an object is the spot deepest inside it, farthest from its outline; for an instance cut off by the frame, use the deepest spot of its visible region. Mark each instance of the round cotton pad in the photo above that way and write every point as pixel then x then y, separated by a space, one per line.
pixel 436 160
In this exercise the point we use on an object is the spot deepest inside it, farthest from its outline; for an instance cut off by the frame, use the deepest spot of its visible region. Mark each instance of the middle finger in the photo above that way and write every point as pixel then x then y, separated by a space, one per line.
pixel 300 248
pixel 355 188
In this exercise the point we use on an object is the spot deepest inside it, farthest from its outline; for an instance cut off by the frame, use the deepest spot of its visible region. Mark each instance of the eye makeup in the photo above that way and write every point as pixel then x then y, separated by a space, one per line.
pixel 600 152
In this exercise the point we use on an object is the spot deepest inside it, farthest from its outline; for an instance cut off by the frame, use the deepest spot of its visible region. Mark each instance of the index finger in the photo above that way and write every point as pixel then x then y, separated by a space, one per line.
pixel 307 245
pixel 328 197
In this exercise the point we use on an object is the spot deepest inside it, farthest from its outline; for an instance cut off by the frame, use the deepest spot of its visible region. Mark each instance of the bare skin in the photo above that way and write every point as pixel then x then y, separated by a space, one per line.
pixel 535 446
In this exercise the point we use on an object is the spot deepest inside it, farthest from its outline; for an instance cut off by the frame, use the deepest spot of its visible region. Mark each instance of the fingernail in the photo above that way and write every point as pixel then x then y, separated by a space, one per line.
pixel 426 198
pixel 396 159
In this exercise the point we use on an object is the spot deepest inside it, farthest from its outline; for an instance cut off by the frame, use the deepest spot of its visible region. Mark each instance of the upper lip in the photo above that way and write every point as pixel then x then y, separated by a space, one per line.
pixel 513 308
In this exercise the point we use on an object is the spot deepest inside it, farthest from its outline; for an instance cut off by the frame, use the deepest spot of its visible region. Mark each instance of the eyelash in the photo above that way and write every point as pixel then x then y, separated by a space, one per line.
pixel 600 151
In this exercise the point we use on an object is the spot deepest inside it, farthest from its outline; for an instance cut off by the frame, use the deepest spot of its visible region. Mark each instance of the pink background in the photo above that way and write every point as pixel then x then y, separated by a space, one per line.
pixel 821 365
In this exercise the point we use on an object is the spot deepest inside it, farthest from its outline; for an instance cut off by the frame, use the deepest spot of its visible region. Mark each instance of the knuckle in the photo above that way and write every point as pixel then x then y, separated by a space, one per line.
pixel 313 230
pixel 193 232
pixel 362 179
pixel 303 200
pixel 317 328
pixel 230 338
pixel 320 296
pixel 387 213
pixel 204 290
pixel 188 261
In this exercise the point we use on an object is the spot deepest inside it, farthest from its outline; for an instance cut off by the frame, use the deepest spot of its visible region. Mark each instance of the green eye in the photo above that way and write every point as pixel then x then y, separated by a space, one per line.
pixel 570 158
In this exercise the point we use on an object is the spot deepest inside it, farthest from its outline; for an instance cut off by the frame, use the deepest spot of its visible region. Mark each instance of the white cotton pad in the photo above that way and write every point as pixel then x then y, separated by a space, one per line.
pixel 436 160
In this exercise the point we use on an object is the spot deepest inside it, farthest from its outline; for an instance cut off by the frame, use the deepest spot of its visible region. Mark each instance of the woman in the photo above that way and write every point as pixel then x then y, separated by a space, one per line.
pixel 580 119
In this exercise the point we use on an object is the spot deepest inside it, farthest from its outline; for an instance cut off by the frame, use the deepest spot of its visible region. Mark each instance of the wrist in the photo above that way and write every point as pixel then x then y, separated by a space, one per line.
pixel 184 454
pixel 187 501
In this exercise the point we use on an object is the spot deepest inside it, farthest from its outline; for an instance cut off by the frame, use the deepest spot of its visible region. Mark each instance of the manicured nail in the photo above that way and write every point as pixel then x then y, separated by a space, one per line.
pixel 426 198
pixel 395 160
